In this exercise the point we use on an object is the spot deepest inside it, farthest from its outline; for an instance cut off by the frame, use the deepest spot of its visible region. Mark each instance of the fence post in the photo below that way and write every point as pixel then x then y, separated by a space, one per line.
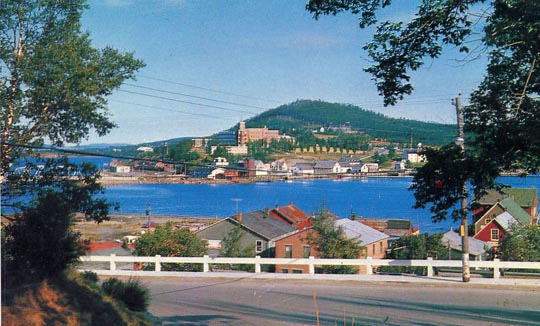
pixel 158 263
pixel 496 270
pixel 257 264
pixel 311 265
pixel 429 267
pixel 369 267
pixel 206 265
pixel 113 262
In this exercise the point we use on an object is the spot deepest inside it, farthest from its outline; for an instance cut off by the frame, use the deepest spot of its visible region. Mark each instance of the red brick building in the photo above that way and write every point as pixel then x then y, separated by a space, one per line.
pixel 296 245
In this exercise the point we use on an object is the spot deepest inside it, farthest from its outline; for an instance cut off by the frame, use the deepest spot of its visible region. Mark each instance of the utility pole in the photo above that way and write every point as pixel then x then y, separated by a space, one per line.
pixel 464 229
pixel 148 213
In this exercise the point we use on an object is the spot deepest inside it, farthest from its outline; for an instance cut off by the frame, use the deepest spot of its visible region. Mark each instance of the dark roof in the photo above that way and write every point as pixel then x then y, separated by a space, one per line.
pixel 524 197
pixel 264 224
pixel 305 166
pixel 325 164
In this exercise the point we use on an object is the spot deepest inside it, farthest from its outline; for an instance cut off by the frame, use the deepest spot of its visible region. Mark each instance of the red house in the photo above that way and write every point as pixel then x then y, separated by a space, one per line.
pixel 493 232
pixel 296 245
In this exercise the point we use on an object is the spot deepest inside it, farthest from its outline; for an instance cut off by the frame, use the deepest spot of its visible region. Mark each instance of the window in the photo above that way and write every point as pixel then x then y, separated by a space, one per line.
pixel 373 249
pixel 380 247
pixel 288 251
pixel 494 235
pixel 258 245
pixel 285 270
pixel 297 271
pixel 307 251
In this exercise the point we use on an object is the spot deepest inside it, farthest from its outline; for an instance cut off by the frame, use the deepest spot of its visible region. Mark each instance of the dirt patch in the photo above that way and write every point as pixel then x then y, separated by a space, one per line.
pixel 121 225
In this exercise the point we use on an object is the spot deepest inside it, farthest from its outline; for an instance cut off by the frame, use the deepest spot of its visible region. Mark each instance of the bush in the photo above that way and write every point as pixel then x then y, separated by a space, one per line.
pixel 132 293
pixel 40 241
pixel 89 277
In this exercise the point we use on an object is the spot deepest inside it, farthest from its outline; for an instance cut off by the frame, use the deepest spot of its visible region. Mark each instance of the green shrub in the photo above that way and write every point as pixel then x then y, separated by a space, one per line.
pixel 89 277
pixel 132 293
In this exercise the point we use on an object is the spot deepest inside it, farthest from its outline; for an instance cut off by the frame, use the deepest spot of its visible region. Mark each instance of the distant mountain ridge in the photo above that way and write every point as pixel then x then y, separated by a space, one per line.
pixel 309 114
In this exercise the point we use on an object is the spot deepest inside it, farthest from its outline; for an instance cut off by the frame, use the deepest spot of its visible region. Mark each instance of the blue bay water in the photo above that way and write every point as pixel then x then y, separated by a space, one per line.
pixel 371 197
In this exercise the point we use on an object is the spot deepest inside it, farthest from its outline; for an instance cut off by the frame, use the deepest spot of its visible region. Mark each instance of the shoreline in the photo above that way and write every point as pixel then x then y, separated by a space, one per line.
pixel 108 180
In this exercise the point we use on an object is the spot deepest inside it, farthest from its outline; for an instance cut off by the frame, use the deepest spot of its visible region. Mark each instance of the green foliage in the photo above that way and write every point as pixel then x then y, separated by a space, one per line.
pixel 330 241
pixel 297 119
pixel 53 87
pixel 53 83
pixel 439 182
pixel 398 48
pixel 40 243
pixel 181 151
pixel 502 118
pixel 132 293
pixel 504 109
pixel 522 243
pixel 167 242
pixel 232 247
pixel 89 277
pixel 232 244
pixel 415 247
pixel 39 240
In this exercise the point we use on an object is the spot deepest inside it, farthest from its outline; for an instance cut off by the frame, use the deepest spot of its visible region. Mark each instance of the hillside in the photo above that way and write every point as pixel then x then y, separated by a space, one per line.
pixel 306 114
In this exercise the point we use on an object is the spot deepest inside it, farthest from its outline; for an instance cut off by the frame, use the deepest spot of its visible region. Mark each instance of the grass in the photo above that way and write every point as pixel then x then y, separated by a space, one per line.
pixel 71 299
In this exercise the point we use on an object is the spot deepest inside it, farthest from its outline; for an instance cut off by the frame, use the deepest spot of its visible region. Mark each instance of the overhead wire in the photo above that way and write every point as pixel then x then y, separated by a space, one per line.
pixel 208 89
pixel 194 96
pixel 186 102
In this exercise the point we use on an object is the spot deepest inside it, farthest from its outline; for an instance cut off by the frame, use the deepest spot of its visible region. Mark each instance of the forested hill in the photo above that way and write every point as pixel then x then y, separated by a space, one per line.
pixel 305 115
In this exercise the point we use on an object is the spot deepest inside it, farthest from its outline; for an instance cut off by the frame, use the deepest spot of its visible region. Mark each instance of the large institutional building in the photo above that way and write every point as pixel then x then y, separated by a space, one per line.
pixel 246 135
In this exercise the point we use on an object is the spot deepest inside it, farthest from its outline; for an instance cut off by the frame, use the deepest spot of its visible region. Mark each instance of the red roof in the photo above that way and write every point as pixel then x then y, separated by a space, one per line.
pixel 292 215
pixel 99 246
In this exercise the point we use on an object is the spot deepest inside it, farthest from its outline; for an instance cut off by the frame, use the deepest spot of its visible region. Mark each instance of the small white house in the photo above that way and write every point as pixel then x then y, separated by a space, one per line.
pixel 369 168
pixel 118 166
pixel 304 168
pixel 220 161
pixel 261 168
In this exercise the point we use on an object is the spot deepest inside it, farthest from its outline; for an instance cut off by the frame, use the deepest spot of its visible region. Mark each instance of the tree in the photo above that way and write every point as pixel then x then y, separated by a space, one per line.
pixel 503 112
pixel 415 247
pixel 167 242
pixel 38 243
pixel 53 83
pixel 330 241
pixel 53 88
pixel 232 247
pixel 232 244
pixel 502 117
pixel 522 243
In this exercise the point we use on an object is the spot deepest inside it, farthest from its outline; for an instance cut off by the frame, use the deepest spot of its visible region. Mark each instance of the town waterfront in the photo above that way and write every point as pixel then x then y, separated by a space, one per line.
pixel 367 197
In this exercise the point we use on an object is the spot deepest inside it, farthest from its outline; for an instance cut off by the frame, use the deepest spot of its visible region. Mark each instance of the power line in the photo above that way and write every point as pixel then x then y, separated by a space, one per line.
pixel 194 96
pixel 187 102
pixel 122 157
pixel 175 111
pixel 208 89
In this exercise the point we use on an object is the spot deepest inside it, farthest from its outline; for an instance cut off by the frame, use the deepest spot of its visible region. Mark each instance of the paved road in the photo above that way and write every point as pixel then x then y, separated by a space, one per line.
pixel 245 301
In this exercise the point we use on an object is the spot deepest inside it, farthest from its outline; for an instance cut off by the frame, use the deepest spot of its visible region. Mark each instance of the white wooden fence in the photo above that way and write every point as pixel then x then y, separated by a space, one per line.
pixel 495 266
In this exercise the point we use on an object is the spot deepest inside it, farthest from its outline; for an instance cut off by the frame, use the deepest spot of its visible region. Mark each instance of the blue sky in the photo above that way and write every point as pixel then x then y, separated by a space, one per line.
pixel 240 58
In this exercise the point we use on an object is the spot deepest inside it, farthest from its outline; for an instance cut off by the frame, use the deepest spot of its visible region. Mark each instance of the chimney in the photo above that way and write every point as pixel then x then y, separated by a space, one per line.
pixel 239 217
pixel 266 210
